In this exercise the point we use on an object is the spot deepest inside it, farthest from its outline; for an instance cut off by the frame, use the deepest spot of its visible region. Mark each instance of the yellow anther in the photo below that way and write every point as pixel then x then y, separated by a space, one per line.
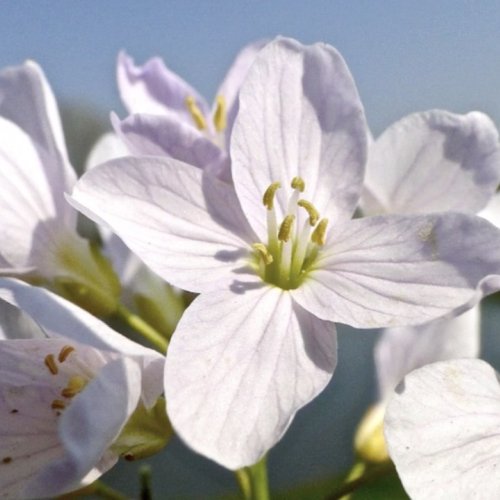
pixel 75 385
pixel 268 198
pixel 263 252
pixel 318 236
pixel 299 184
pixel 196 113
pixel 64 353
pixel 57 404
pixel 220 115
pixel 50 363
pixel 286 227
pixel 311 210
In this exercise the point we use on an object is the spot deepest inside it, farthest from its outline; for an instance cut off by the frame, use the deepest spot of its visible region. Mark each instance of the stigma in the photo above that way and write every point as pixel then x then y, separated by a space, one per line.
pixel 294 242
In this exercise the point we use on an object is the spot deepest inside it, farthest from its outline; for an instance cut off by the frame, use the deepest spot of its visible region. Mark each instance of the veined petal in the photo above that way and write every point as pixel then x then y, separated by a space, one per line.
pixel 90 426
pixel 27 201
pixel 56 317
pixel 188 227
pixel 239 367
pixel 299 115
pixel 441 427
pixel 166 136
pixel 27 100
pixel 401 270
pixel 154 89
pixel 404 349
pixel 434 161
pixel 233 80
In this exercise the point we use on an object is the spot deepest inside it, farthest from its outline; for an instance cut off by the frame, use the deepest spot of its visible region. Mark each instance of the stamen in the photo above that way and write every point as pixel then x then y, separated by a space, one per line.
pixel 299 184
pixel 268 198
pixel 57 404
pixel 75 385
pixel 196 113
pixel 286 227
pixel 311 210
pixel 263 252
pixel 50 363
pixel 220 115
pixel 319 234
pixel 64 353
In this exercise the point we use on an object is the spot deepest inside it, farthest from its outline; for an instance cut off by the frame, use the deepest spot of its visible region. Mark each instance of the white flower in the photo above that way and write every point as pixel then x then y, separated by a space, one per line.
pixel 278 259
pixel 67 390
pixel 441 428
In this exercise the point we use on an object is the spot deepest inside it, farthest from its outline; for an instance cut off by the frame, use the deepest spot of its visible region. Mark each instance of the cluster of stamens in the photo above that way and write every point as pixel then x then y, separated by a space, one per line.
pixel 219 118
pixel 290 250
pixel 75 383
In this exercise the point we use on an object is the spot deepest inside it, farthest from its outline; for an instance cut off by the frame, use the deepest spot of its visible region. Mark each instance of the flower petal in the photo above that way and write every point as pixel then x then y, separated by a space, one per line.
pixel 26 99
pixel 492 211
pixel 154 89
pixel 166 136
pixel 442 431
pixel 90 426
pixel 299 115
pixel 239 367
pixel 401 270
pixel 186 226
pixel 403 349
pixel 57 317
pixel 107 147
pixel 434 161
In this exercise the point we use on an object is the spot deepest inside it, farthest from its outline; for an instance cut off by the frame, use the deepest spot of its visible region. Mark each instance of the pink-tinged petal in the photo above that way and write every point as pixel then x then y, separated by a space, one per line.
pixel 155 89
pixel 299 115
pixel 90 426
pixel 240 365
pixel 432 162
pixel 188 227
pixel 107 147
pixel 29 438
pixel 27 100
pixel 57 317
pixel 165 136
pixel 441 428
pixel 233 80
pixel 404 349
pixel 401 270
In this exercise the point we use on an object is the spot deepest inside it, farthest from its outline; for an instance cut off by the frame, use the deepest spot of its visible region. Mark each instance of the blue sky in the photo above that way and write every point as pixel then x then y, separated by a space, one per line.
pixel 405 56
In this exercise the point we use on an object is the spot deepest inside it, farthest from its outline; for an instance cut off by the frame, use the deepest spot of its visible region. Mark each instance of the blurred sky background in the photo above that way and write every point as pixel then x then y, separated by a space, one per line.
pixel 405 57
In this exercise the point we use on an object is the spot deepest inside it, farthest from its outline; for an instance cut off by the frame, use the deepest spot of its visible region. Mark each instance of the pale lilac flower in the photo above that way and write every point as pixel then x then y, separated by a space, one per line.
pixel 442 427
pixel 169 117
pixel 275 266
pixel 67 390
pixel 432 162
pixel 38 238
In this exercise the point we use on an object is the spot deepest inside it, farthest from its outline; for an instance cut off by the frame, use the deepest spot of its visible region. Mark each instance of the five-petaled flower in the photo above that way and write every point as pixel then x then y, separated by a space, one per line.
pixel 276 259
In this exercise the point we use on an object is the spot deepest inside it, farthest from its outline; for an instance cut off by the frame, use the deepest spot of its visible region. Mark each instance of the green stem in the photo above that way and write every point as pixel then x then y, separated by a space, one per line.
pixel 259 485
pixel 370 474
pixel 144 328
pixel 103 491
pixel 243 479
pixel 145 479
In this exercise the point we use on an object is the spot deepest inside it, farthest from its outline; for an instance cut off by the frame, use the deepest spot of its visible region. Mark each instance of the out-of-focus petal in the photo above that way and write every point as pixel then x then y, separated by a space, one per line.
pixel 154 89
pixel 404 349
pixel 441 427
pixel 492 211
pixel 188 227
pixel 27 100
pixel 239 367
pixel 434 161
pixel 400 270
pixel 107 147
pixel 299 115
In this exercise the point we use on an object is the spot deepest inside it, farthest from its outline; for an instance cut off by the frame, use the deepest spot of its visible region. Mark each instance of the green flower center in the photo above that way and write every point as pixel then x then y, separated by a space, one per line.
pixel 291 248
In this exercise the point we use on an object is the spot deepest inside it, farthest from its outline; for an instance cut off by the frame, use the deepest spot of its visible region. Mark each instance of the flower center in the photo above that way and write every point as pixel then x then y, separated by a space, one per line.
pixel 293 245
